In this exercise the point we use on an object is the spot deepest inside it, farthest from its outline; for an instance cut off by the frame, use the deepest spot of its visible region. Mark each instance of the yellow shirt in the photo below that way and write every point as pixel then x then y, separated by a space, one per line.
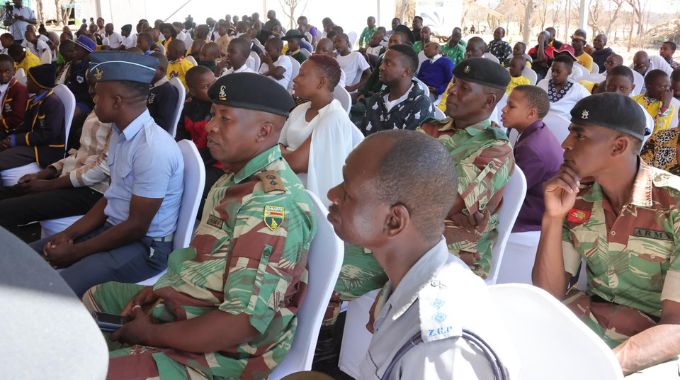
pixel 662 120
pixel 585 60
pixel 516 81
pixel 29 61
pixel 587 84
pixel 179 69
pixel 442 102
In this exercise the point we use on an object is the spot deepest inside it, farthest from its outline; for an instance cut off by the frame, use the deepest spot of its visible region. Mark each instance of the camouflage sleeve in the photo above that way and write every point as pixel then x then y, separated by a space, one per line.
pixel 360 273
pixel 266 265
pixel 671 285
pixel 571 257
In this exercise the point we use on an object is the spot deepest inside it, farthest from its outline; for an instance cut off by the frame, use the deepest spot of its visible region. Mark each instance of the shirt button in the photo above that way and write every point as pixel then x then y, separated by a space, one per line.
pixel 613 233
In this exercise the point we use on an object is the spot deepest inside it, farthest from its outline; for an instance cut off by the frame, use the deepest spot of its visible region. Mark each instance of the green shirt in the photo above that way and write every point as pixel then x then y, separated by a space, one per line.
pixel 456 53
pixel 248 256
pixel 366 35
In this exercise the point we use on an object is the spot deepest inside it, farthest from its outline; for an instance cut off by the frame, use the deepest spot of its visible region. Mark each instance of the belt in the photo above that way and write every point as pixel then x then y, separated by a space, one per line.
pixel 164 239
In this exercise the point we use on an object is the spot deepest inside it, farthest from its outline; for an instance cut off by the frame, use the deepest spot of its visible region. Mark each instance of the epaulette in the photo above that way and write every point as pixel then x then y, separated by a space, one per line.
pixel 498 133
pixel 271 181
pixel 665 179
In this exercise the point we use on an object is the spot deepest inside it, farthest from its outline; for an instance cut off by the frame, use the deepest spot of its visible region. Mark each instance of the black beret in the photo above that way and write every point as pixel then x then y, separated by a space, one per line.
pixel 610 110
pixel 251 91
pixel 483 71
pixel 43 75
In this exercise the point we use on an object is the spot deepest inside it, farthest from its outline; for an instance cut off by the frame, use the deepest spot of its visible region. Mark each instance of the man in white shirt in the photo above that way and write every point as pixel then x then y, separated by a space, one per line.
pixel 22 17
pixel 432 303
pixel 128 40
pixel 643 63
pixel 352 63
pixel 237 55
pixel 276 65
pixel 37 46
pixel 115 40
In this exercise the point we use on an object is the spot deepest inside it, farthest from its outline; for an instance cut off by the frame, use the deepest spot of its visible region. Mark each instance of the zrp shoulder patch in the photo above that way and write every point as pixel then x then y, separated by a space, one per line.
pixel 273 216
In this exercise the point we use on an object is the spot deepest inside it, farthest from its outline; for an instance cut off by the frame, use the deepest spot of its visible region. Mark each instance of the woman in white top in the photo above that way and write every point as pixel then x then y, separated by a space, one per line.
pixel 562 91
pixel 318 134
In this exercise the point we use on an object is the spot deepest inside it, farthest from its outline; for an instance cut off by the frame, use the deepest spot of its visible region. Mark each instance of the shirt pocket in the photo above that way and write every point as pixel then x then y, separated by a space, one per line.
pixel 648 259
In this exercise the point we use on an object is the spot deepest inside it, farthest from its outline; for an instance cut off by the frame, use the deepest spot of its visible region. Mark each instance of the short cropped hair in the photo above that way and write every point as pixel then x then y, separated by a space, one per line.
pixel 671 44
pixel 623 71
pixel 329 67
pixel 409 55
pixel 566 59
pixel 675 75
pixel 536 97
pixel 428 191
pixel 195 72
pixel 654 75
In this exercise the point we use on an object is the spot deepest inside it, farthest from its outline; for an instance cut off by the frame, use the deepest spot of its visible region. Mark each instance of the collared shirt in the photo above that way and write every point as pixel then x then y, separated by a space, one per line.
pixel 662 119
pixel 114 40
pixel 539 155
pixel 436 73
pixel 366 35
pixel 241 263
pixel 656 62
pixel 407 114
pixel 38 49
pixel 632 258
pixel 179 68
pixel 484 162
pixel 243 69
pixel 18 27
pixel 86 166
pixel 145 161
pixel 586 61
pixel 661 150
pixel 285 62
pixel 563 101
pixel 429 300
pixel 501 50
pixel 455 53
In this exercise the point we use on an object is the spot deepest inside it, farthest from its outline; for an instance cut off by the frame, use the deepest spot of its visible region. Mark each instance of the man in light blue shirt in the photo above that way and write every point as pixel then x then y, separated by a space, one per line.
pixel 21 17
pixel 128 234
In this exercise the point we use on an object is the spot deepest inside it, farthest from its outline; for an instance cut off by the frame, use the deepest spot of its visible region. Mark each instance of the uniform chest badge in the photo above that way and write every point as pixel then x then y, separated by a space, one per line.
pixel 578 216
pixel 273 216
pixel 215 221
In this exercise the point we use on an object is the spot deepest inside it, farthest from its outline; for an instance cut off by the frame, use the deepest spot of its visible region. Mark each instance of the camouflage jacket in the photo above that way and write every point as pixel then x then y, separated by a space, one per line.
pixel 484 162
pixel 248 256
pixel 631 259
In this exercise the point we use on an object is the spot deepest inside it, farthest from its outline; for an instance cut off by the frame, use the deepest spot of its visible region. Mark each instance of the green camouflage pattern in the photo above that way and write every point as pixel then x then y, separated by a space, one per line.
pixel 239 265
pixel 484 162
pixel 360 273
pixel 632 259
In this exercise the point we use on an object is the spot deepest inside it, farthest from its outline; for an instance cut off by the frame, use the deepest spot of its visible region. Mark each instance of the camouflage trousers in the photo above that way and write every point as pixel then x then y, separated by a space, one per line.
pixel 141 362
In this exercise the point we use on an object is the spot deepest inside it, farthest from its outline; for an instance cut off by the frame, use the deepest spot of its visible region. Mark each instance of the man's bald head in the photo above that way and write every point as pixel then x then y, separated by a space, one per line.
pixel 641 62
pixel 325 47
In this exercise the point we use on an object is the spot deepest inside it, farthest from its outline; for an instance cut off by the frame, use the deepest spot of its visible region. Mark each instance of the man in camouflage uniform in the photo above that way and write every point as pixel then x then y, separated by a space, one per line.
pixel 226 306
pixel 483 159
pixel 624 225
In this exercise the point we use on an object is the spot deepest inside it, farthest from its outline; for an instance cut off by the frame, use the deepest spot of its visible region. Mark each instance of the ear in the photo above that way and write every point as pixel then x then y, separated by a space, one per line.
pixel 620 146
pixel 265 130
pixel 322 83
pixel 491 100
pixel 533 113
pixel 397 220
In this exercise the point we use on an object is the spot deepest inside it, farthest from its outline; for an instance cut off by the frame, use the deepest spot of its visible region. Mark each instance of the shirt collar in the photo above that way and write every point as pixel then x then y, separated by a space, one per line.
pixel 135 126
pixel 160 82
pixel 406 293
pixel 642 187
pixel 435 58
pixel 258 163
pixel 472 130
pixel 532 128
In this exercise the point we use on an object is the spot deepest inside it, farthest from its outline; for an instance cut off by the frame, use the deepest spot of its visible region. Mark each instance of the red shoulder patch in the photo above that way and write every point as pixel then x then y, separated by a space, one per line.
pixel 578 216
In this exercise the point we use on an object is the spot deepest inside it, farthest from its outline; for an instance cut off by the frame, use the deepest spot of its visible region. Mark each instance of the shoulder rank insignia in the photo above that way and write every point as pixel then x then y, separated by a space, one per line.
pixel 578 216
pixel 271 181
pixel 273 216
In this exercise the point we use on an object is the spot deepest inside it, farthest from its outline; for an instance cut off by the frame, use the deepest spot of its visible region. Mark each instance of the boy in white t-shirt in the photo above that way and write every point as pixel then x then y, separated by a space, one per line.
pixel 274 64
pixel 352 63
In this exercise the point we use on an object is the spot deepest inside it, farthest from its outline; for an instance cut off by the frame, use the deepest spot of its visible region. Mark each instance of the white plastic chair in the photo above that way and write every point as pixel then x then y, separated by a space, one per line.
pixel 352 37
pixel 421 58
pixel 355 338
pixel 595 69
pixel 638 82
pixel 191 59
pixel 545 332
pixel 295 70
pixel 20 76
pixel 558 125
pixel 10 177
pixel 253 61
pixel 324 261
pixel 194 182
pixel 181 92
pixel 491 57
pixel 513 197
pixel 530 74
pixel 439 114
pixel 343 97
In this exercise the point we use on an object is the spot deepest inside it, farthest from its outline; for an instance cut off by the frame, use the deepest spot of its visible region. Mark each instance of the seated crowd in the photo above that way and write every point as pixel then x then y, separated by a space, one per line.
pixel 409 143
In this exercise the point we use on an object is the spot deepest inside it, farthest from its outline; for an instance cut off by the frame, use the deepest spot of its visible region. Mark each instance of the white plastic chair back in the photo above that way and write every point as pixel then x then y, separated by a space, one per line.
pixel 513 197
pixel 324 261
pixel 558 125
pixel 536 322
pixel 421 59
pixel 530 74
pixel 20 76
pixel 295 67
pixel 352 37
pixel 638 82
pixel 355 338
pixel 194 182
pixel 595 69
pixel 491 57
pixel 181 92
pixel 46 57
pixel 31 338
pixel 253 61
pixel 10 177
pixel 343 97
pixel 191 59
pixel 439 114
pixel 423 86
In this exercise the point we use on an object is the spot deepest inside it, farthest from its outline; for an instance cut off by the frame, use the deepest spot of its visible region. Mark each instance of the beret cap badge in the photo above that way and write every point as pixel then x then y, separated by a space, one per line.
pixel 584 114
pixel 467 69
pixel 223 93
pixel 98 73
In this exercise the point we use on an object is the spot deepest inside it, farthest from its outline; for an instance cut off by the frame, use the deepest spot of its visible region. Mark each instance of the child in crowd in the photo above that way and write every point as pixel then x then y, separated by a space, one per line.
pixel 177 64
pixel 657 100
pixel 195 116
pixel 276 65
pixel 537 151
pixel 517 65
pixel 163 97
pixel 146 44
pixel 520 50
pixel 208 56
pixel 237 55
pixel 23 58
pixel 675 83
pixel 436 71
pixel 14 98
